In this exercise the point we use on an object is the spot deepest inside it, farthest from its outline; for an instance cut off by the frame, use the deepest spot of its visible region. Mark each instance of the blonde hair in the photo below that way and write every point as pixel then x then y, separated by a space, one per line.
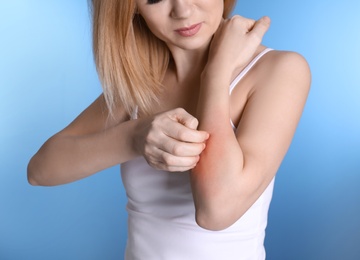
pixel 130 60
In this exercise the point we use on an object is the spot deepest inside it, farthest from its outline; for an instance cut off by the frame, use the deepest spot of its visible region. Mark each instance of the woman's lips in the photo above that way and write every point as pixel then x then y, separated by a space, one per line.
pixel 189 31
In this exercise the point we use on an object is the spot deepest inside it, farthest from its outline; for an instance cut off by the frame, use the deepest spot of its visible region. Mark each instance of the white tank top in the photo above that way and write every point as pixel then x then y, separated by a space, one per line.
pixel 161 216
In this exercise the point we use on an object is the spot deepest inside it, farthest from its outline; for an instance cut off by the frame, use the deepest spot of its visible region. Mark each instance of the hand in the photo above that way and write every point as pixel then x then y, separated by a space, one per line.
pixel 169 141
pixel 235 42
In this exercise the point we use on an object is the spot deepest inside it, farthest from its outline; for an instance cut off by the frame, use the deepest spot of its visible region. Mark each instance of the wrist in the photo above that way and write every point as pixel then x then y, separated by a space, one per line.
pixel 212 77
pixel 134 137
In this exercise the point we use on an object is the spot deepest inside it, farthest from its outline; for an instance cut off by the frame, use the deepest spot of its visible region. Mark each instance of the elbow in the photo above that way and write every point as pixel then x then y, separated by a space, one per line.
pixel 34 176
pixel 32 181
pixel 31 174
pixel 213 221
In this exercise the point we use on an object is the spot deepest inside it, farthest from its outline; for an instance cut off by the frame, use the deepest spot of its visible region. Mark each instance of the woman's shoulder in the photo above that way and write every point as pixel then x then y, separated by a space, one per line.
pixel 280 62
pixel 268 65
pixel 274 74
pixel 282 66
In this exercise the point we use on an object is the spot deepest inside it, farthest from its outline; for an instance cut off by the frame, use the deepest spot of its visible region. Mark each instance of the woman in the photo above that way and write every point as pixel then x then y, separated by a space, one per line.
pixel 197 163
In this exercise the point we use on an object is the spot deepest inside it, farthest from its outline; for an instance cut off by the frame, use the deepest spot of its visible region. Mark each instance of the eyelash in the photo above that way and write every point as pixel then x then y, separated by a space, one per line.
pixel 151 2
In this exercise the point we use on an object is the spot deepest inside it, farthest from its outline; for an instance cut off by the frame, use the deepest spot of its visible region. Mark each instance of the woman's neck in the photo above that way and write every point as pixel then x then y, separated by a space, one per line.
pixel 188 63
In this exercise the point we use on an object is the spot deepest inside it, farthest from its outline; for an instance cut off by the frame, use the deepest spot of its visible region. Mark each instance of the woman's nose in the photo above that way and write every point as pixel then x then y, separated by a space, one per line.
pixel 182 9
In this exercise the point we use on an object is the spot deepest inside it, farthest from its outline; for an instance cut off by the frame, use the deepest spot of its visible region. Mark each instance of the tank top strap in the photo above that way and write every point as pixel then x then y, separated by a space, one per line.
pixel 134 113
pixel 243 73
pixel 246 69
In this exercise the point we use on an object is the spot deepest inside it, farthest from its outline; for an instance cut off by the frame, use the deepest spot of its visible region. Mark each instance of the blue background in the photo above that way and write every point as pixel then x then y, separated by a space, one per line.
pixel 47 77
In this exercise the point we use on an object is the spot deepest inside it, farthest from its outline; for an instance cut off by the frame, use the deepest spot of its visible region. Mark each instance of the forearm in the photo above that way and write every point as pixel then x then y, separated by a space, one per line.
pixel 63 159
pixel 215 180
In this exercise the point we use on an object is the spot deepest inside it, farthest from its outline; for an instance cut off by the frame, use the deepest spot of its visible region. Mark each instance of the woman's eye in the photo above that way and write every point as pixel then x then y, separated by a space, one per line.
pixel 150 2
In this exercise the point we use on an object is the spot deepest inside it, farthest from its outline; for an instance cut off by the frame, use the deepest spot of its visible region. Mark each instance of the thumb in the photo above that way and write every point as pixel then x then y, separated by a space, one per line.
pixel 261 26
pixel 189 121
pixel 183 117
pixel 192 123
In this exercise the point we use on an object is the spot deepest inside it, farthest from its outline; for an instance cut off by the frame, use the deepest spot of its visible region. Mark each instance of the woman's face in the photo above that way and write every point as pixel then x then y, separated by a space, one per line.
pixel 188 24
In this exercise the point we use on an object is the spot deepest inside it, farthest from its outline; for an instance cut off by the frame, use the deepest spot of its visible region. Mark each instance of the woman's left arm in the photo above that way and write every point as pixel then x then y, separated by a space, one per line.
pixel 235 168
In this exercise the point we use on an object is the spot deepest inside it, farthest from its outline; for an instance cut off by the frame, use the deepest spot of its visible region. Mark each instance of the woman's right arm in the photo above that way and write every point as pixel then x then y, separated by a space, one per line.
pixel 95 141
pixel 92 142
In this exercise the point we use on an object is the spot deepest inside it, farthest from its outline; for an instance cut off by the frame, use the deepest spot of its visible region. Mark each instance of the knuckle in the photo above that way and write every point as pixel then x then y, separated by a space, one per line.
pixel 195 121
pixel 147 151
pixel 149 139
pixel 155 123
pixel 194 160
pixel 156 164
pixel 238 24
pixel 180 110
pixel 182 135
pixel 177 149
pixel 151 162
pixel 161 167
pixel 168 159
pixel 236 17
pixel 200 148
pixel 234 21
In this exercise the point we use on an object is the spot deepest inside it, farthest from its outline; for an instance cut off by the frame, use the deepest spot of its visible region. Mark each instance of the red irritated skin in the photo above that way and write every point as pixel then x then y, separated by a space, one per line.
pixel 235 168
pixel 207 53
pixel 215 183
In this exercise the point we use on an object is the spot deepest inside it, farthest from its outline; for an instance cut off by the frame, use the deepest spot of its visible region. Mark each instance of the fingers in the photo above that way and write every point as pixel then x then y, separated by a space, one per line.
pixel 179 160
pixel 250 24
pixel 169 162
pixel 180 115
pixel 185 134
pixel 246 24
pixel 183 127
pixel 178 136
pixel 171 142
pixel 182 149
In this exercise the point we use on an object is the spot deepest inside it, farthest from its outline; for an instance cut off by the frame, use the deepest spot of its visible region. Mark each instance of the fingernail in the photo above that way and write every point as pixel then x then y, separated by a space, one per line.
pixel 266 19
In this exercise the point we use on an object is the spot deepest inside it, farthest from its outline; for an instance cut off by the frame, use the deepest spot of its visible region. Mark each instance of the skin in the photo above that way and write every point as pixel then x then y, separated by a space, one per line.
pixel 191 127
